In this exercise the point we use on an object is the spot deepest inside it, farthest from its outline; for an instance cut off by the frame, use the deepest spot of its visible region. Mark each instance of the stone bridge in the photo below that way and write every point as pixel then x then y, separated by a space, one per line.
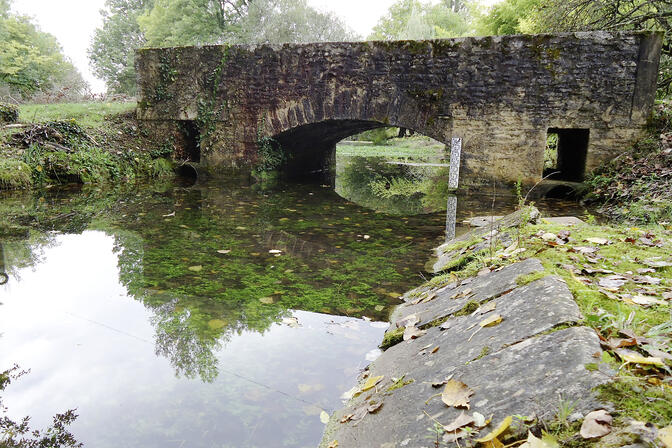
pixel 230 107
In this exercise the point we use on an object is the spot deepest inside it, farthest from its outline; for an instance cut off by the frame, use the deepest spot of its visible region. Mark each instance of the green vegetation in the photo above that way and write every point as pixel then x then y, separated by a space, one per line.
pixel 8 113
pixel 412 19
pixel 132 24
pixel 91 114
pixel 399 383
pixel 109 147
pixel 548 16
pixel 32 61
pixel 14 174
pixel 636 186
pixel 621 279
pixel 417 148
pixel 392 338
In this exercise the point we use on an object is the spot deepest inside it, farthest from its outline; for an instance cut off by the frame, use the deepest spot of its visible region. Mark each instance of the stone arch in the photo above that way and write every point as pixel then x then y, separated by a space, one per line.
pixel 308 130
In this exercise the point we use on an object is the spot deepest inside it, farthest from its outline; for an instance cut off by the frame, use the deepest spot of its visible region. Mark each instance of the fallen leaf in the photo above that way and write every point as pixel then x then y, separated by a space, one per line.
pixel 452 437
pixel 596 424
pixel 456 394
pixel 446 325
pixel 324 417
pixel 274 251
pixel 292 322
pixel 631 357
pixel 546 441
pixel 224 252
pixel 665 436
pixel 657 263
pixel 503 426
pixel 548 236
pixel 479 420
pixel 372 382
pixel 646 279
pixel 413 332
pixel 488 307
pixel 169 215
pixel 333 444
pixel 612 282
pixel 585 250
pixel 409 320
pixel 266 300
pixel 647 300
pixel 461 420
pixel 373 408
pixel 491 321
pixel 436 349
pixel 379 307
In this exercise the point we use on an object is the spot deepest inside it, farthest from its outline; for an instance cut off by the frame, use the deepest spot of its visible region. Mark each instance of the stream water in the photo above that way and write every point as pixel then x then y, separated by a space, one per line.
pixel 228 315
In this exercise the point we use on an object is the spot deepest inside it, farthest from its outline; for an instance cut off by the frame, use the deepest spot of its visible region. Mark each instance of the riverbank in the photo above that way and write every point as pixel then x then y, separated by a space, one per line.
pixel 636 187
pixel 543 322
pixel 82 143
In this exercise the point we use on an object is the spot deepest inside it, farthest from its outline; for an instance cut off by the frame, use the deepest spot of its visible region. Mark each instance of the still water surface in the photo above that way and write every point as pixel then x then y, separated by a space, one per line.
pixel 214 315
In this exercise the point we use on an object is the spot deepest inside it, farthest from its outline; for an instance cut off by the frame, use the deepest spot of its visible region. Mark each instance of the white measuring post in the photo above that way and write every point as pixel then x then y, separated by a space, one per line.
pixel 455 158
pixel 451 217
pixel 453 182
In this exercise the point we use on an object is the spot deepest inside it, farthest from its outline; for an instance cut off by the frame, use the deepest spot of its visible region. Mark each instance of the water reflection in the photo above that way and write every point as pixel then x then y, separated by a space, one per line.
pixel 90 346
pixel 217 314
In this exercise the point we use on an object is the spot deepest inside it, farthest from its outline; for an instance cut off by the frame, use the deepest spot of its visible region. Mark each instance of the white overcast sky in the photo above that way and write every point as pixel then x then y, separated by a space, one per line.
pixel 74 21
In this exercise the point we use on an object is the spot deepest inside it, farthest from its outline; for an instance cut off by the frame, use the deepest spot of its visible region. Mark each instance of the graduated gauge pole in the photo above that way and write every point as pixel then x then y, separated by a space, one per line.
pixel 453 182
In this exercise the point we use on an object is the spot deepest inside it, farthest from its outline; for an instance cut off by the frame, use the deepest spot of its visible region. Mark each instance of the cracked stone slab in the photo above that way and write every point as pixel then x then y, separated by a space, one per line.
pixel 526 311
pixel 497 233
pixel 482 289
pixel 525 379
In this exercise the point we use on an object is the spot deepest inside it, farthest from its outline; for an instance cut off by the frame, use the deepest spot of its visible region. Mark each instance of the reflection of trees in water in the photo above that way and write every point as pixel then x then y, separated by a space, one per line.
pixel 390 188
pixel 190 351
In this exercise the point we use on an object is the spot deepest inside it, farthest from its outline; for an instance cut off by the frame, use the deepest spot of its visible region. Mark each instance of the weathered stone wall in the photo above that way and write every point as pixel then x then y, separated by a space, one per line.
pixel 500 94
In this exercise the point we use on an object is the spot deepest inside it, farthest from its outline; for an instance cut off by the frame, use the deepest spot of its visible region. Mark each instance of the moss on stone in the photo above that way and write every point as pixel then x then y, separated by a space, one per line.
pixel 392 338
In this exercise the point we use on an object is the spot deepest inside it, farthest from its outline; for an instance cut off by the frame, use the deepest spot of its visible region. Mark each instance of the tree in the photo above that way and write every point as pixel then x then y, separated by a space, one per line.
pixel 192 22
pixel 412 19
pixel 112 52
pixel 197 22
pixel 30 60
pixel 509 17
pixel 281 21
pixel 536 16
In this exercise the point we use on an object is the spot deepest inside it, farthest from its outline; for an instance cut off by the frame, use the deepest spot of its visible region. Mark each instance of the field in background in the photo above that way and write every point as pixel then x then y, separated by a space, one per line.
pixel 85 114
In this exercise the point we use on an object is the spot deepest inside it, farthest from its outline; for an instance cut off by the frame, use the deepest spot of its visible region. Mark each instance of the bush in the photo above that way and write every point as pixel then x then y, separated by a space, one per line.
pixel 8 113
pixel 14 174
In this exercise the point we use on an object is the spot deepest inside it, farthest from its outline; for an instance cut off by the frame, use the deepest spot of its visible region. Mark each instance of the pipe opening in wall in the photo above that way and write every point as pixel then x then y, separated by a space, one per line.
pixel 565 154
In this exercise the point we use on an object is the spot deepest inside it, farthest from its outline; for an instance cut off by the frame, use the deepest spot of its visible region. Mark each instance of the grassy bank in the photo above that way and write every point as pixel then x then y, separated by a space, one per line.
pixel 636 186
pixel 82 143
pixel 417 148
pixel 621 279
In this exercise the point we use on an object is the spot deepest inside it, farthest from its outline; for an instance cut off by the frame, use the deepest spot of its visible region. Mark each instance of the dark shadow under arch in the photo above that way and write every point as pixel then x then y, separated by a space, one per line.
pixel 310 149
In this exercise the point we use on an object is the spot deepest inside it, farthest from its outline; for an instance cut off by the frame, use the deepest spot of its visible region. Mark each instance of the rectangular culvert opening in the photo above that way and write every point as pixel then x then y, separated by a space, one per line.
pixel 192 141
pixel 565 154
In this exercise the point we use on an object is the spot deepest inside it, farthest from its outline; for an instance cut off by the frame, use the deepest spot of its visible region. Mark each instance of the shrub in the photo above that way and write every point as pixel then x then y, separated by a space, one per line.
pixel 14 174
pixel 8 113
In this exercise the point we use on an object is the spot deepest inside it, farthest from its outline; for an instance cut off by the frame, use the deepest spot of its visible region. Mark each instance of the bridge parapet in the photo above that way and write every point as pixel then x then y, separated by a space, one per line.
pixel 501 95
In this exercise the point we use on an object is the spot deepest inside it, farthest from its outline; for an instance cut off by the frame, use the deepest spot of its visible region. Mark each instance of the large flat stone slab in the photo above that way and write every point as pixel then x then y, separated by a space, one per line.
pixel 526 378
pixel 526 311
pixel 479 289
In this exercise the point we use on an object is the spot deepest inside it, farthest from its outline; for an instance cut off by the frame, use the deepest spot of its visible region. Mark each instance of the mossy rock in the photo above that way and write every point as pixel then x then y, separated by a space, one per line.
pixel 8 113
pixel 14 174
